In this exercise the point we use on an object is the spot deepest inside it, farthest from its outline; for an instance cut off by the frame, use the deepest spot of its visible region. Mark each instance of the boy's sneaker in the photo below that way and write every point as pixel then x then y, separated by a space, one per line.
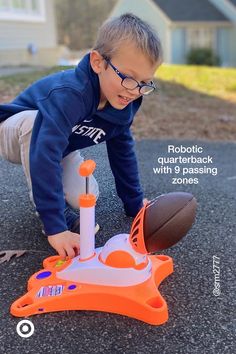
pixel 72 220
pixel 76 227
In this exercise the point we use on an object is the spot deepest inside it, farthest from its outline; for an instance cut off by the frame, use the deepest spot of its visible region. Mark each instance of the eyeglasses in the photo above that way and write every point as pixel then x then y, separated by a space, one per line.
pixel 130 83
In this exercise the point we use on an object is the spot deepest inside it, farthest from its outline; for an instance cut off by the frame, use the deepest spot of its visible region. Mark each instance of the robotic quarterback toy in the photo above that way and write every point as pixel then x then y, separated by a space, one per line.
pixel 122 276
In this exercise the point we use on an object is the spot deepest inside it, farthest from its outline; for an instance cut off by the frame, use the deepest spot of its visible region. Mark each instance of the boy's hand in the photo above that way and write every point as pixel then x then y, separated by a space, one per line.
pixel 66 243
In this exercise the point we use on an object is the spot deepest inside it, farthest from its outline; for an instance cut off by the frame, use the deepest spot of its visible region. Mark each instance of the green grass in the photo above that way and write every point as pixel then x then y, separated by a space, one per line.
pixel 18 82
pixel 213 81
pixel 195 102
pixel 12 85
pixel 219 82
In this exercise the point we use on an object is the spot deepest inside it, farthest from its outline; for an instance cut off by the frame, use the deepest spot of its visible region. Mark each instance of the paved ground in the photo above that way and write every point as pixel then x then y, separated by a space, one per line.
pixel 199 322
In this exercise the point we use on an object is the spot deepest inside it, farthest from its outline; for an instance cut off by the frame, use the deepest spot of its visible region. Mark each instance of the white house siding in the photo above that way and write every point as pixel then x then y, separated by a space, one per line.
pixel 16 35
pixel 149 12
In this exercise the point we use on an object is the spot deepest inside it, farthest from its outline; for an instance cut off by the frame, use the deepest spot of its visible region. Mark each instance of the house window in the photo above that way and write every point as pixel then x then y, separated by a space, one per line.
pixel 22 10
pixel 201 38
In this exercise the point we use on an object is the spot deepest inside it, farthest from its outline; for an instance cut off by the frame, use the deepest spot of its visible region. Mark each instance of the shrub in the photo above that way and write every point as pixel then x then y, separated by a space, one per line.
pixel 203 56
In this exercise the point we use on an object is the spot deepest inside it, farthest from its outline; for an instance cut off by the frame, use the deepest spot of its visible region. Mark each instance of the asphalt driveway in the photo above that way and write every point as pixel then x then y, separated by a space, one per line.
pixel 199 321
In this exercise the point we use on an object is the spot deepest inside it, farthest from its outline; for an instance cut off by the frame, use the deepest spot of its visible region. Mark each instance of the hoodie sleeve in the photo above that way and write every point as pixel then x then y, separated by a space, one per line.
pixel 124 166
pixel 57 115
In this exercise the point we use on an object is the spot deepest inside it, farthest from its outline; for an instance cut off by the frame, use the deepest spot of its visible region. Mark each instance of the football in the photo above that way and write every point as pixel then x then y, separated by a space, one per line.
pixel 167 219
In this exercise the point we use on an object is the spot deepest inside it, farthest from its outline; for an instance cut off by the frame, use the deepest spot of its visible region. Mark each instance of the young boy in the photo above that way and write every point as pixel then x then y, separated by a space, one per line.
pixel 46 126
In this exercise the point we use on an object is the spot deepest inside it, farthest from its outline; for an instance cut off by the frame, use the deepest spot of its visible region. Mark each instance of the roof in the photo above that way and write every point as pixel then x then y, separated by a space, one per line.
pixel 191 10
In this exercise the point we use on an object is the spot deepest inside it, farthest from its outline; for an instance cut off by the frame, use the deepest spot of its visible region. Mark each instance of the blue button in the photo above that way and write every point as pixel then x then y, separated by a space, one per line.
pixel 43 275
pixel 71 287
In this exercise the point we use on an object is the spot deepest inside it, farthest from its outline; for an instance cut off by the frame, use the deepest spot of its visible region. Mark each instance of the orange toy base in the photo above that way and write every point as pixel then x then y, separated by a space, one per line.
pixel 47 293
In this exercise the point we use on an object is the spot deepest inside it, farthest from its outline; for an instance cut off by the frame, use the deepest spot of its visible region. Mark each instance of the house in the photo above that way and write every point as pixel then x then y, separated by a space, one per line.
pixel 28 33
pixel 186 24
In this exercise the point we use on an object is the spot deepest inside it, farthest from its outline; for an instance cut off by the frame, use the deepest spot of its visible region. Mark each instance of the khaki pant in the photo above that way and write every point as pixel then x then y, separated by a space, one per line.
pixel 15 136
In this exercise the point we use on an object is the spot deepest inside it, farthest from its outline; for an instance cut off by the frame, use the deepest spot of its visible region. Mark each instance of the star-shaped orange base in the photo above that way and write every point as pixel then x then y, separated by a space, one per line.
pixel 47 293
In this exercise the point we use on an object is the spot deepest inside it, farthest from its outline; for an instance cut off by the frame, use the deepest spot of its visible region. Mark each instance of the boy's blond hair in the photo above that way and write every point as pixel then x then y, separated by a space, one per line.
pixel 130 28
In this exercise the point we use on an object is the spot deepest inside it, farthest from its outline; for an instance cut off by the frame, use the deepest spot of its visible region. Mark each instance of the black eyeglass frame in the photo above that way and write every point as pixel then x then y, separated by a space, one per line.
pixel 152 86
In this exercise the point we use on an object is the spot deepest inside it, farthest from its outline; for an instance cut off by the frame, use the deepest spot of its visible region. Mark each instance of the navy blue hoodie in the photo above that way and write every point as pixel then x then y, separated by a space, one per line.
pixel 68 120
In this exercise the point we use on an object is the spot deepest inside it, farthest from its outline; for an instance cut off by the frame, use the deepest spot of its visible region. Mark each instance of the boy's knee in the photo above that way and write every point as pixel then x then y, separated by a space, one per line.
pixel 72 198
pixel 73 183
pixel 94 189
